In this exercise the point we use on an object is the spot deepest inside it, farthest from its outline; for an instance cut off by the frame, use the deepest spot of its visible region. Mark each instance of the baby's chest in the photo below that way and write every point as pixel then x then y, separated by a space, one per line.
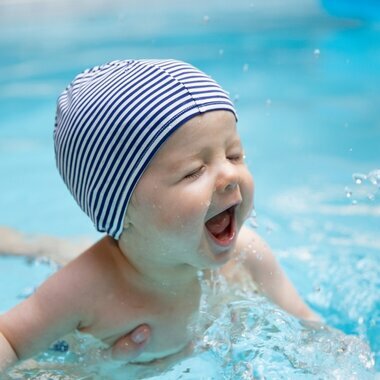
pixel 170 317
pixel 171 322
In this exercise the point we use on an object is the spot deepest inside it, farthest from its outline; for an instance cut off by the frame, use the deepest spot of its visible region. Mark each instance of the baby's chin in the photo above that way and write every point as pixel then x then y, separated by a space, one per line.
pixel 216 261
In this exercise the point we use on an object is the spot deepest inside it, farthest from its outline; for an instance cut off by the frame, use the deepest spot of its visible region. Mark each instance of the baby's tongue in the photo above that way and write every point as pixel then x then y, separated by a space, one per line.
pixel 219 223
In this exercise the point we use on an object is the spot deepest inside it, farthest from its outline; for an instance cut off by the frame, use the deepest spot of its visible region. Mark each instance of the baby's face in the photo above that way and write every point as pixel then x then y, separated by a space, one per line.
pixel 196 193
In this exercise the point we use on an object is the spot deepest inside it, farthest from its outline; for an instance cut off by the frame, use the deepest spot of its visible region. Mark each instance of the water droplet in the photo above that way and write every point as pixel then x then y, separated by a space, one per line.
pixel 371 197
pixel 221 51
pixel 206 19
pixel 374 177
pixel 252 220
pixel 317 53
pixel 245 67
pixel 360 320
pixel 359 178
pixel 236 97
pixel 26 292
pixel 350 150
pixel 354 202
pixel 268 102
pixel 348 192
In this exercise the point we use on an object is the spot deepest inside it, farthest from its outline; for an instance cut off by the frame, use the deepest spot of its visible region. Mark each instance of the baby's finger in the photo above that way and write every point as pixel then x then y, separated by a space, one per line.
pixel 129 346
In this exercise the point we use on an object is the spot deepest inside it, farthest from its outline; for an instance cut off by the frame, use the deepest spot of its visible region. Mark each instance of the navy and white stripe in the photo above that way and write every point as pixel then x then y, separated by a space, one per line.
pixel 112 119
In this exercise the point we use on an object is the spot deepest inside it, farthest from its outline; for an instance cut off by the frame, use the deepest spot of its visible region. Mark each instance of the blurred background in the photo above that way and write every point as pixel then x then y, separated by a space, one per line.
pixel 305 78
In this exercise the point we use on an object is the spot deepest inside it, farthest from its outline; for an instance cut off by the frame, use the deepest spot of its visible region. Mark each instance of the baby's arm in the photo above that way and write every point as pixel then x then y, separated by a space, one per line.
pixel 62 304
pixel 50 313
pixel 269 276
pixel 7 354
pixel 60 250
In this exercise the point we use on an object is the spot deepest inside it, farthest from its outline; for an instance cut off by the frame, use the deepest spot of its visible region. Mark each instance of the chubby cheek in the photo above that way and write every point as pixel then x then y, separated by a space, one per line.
pixel 182 211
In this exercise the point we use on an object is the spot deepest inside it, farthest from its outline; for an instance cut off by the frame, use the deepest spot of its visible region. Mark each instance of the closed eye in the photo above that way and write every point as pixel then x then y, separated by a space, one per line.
pixel 236 157
pixel 195 173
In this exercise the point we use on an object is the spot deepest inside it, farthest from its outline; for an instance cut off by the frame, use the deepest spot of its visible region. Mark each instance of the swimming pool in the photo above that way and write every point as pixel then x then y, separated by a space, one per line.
pixel 305 83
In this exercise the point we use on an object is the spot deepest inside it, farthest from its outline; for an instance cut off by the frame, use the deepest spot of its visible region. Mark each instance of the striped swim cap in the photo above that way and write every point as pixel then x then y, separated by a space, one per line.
pixel 112 119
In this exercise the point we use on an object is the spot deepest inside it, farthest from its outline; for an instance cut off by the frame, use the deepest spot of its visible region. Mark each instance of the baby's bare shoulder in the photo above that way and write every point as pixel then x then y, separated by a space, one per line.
pixel 84 279
pixel 109 300
pixel 252 254
pixel 94 271
pixel 249 240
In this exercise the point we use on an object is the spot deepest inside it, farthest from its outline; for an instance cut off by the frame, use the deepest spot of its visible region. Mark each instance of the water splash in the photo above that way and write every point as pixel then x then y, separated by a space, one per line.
pixel 242 336
pixel 374 177
pixel 369 184
pixel 348 192
pixel 252 220
pixel 245 338
pixel 255 339
pixel 317 53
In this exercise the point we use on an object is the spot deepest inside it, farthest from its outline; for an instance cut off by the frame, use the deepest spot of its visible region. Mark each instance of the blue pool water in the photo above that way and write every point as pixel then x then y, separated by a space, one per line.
pixel 19 277
pixel 305 79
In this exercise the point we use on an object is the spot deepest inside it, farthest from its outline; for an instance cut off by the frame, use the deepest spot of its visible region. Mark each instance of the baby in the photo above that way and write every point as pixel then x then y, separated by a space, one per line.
pixel 150 151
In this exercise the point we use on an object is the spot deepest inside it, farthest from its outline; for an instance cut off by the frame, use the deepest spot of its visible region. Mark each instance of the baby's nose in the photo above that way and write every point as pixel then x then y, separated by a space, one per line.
pixel 228 179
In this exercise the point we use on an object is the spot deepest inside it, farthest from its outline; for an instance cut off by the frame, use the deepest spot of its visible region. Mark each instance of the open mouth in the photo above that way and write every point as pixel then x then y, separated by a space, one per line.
pixel 221 227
